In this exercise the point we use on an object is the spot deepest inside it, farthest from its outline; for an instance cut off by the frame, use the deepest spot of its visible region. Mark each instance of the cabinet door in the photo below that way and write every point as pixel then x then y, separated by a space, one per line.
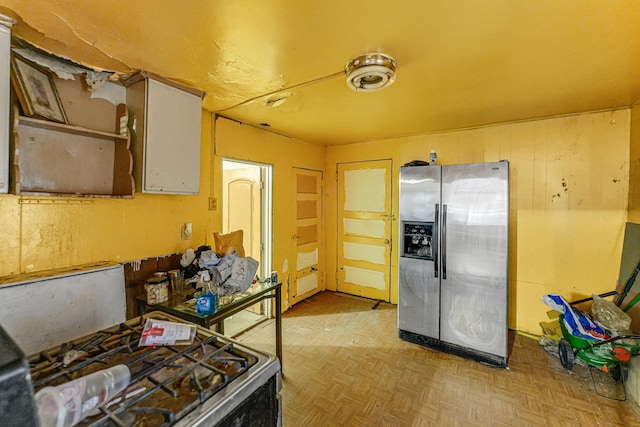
pixel 172 140
pixel 5 55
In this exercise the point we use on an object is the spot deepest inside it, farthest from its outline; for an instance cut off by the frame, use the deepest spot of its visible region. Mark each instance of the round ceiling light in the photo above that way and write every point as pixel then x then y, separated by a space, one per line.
pixel 370 72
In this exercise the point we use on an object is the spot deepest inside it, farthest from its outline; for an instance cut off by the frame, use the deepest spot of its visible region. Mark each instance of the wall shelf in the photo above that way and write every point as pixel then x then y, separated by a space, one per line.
pixel 53 159
pixel 76 130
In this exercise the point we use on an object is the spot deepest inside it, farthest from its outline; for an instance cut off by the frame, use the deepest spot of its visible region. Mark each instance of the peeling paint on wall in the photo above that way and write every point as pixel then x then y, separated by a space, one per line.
pixel 62 68
pixel 99 82
pixel 136 265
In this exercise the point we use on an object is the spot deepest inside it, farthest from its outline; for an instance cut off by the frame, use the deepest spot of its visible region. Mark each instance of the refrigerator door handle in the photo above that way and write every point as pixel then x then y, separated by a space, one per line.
pixel 444 242
pixel 435 246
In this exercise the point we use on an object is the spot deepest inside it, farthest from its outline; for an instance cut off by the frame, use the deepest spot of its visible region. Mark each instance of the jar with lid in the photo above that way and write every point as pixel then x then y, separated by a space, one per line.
pixel 157 288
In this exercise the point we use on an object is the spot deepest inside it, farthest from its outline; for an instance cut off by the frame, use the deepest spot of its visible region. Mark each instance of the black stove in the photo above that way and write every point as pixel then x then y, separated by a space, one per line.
pixel 215 381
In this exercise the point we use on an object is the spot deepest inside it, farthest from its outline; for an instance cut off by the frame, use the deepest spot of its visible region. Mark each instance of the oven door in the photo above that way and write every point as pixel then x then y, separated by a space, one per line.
pixel 17 404
pixel 254 403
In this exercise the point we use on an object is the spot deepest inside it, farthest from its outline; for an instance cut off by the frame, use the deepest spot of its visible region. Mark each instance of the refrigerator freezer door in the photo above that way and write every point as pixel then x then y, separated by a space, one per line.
pixel 419 285
pixel 475 256
pixel 419 298
pixel 419 192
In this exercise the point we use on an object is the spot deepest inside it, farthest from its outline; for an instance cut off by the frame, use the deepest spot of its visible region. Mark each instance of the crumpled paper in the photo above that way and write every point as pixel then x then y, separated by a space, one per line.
pixel 187 258
pixel 208 259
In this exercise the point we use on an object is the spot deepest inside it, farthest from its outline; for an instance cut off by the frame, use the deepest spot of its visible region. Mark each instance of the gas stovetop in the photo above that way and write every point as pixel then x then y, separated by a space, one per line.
pixel 193 384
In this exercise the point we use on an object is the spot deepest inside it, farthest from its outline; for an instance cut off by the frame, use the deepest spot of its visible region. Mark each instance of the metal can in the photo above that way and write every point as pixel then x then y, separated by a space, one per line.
pixel 274 277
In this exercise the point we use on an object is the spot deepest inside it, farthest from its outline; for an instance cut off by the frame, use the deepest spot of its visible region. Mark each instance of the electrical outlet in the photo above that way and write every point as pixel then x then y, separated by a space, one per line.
pixel 213 204
pixel 186 231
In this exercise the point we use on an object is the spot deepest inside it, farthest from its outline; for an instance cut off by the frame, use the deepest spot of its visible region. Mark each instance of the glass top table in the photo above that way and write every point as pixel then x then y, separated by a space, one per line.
pixel 184 307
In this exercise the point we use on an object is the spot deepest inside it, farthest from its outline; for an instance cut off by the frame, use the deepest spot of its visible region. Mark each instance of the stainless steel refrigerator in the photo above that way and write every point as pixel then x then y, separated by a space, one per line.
pixel 453 261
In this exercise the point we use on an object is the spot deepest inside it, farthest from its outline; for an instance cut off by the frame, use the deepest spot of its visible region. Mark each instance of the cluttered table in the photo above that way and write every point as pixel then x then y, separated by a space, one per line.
pixel 184 307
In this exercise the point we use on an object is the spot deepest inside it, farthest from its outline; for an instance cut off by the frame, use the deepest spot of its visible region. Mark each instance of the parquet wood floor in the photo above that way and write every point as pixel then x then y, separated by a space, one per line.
pixel 344 365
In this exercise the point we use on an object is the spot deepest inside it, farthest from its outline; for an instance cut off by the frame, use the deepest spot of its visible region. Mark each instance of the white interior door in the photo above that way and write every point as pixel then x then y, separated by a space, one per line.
pixel 242 203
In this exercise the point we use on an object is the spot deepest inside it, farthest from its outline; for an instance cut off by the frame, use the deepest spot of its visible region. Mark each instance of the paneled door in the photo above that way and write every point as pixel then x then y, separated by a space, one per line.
pixel 242 198
pixel 309 266
pixel 364 229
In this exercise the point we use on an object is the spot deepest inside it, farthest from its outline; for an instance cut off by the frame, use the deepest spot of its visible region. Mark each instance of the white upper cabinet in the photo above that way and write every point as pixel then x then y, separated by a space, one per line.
pixel 5 105
pixel 165 119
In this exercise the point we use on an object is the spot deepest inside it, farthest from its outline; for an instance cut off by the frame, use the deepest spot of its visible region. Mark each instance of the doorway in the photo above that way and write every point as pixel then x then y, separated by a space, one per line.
pixel 246 206
pixel 309 275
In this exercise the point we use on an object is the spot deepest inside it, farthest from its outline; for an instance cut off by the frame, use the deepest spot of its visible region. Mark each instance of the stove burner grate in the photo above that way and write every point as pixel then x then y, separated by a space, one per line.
pixel 167 382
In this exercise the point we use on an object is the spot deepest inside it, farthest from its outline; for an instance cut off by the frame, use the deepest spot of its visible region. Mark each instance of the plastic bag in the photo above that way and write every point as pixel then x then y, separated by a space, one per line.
pixel 578 323
pixel 187 257
pixel 242 273
pixel 610 315
pixel 229 243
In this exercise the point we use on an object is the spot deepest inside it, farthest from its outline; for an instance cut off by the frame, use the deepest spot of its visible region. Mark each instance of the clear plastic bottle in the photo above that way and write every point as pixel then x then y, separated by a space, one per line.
pixel 67 404
pixel 433 157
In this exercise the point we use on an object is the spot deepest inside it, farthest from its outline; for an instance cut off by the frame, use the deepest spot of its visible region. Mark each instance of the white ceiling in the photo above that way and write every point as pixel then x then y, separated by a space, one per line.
pixel 460 63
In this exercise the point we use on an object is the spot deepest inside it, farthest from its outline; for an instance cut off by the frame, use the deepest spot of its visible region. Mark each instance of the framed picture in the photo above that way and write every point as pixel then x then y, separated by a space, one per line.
pixel 36 91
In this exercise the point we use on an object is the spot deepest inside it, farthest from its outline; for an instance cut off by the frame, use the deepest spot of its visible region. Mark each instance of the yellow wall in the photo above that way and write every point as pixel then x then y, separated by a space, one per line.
pixel 569 192
pixel 40 233
pixel 634 166
pixel 233 140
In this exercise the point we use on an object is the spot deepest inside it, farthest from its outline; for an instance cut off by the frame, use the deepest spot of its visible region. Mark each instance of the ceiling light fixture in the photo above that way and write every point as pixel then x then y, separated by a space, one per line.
pixel 370 72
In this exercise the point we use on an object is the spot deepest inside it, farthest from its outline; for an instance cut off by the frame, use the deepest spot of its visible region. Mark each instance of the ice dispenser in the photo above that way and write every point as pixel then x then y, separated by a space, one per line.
pixel 418 240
